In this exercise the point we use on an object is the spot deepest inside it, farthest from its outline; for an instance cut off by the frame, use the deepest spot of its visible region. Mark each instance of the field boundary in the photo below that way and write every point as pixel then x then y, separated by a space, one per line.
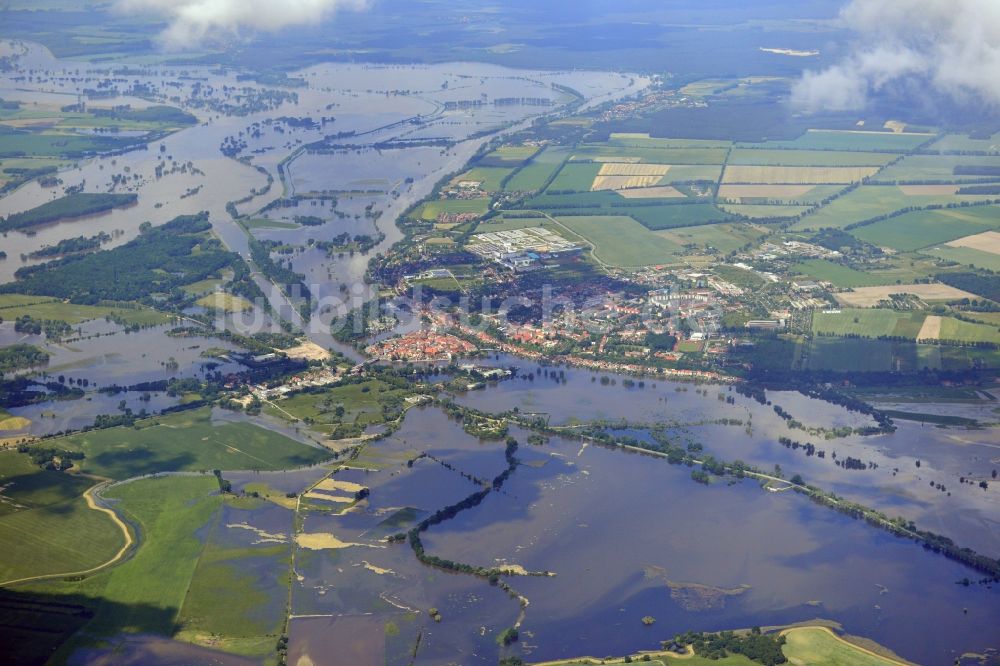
pixel 89 496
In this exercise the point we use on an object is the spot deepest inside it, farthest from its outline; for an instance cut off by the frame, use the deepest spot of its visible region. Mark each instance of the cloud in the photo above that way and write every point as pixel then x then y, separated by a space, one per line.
pixel 193 21
pixel 950 47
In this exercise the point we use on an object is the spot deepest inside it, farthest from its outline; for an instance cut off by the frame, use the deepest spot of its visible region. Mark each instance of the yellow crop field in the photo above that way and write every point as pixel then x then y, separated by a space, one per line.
pixel 621 169
pixel 988 241
pixel 835 175
pixel 623 182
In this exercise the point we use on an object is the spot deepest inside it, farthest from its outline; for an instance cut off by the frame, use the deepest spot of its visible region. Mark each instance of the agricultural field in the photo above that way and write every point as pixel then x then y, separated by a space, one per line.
pixel 688 173
pixel 866 297
pixel 871 323
pixel 357 405
pixel 767 175
pixel 45 523
pixel 912 231
pixel 224 302
pixel 962 143
pixel 965 256
pixel 186 441
pixel 840 276
pixel 939 168
pixel 621 241
pixel 628 140
pixel 820 158
pixel 657 218
pixel 431 210
pixel 509 155
pixel 963 331
pixel 758 211
pixel 575 177
pixel 490 177
pixel 817 646
pixel 13 306
pixel 610 153
pixel 870 201
pixel 815 139
pixel 723 237
pixel 777 194
pixel 535 174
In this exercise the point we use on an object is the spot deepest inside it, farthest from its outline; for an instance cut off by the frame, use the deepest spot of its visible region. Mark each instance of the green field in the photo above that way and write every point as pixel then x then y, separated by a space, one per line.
pixel 534 175
pixel 838 140
pixel 723 237
pixel 13 306
pixel 918 229
pixel 575 177
pixel 686 173
pixel 962 143
pixel 656 218
pixel 966 256
pixel 490 177
pixel 184 581
pixel 840 276
pixel 645 141
pixel 603 151
pixel 935 168
pixel 757 211
pixel 869 323
pixel 45 524
pixel 362 404
pixel 766 157
pixel 186 441
pixel 511 155
pixel 963 331
pixel 870 201
pixel 621 241
pixel 432 209
pixel 817 647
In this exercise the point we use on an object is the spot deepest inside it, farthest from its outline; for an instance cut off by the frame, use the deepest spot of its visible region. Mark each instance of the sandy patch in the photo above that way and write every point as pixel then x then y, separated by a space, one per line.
pixel 313 494
pixel 14 423
pixel 262 536
pixel 928 190
pixel 894 126
pixel 324 541
pixel 331 484
pixel 32 122
pixel 866 297
pixel 379 570
pixel 988 241
pixel 764 191
pixel 612 159
pixel 308 351
pixel 931 330
pixel 663 192
pixel 835 175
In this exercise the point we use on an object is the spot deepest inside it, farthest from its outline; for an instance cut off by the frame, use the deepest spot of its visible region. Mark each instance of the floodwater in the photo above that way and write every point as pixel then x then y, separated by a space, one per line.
pixel 363 104
pixel 627 535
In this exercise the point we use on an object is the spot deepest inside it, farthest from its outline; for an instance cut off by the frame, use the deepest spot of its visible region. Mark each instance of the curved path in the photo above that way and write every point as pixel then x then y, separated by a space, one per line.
pixel 92 503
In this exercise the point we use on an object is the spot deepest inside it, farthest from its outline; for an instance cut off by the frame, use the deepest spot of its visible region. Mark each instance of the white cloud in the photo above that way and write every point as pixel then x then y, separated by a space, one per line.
pixel 191 21
pixel 952 46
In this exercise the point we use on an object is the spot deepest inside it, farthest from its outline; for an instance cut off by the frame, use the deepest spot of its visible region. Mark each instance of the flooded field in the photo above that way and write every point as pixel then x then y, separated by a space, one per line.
pixel 626 535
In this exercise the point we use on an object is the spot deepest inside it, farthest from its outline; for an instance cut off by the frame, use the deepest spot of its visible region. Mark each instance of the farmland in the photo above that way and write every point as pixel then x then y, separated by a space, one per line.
pixel 815 158
pixel 839 275
pixel 871 296
pixel 918 229
pixel 852 141
pixel 186 441
pixel 871 323
pixel 621 241
pixel 490 177
pixel 936 168
pixel 870 201
pixel 431 210
pixel 534 175
pixel 45 523
pixel 831 175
